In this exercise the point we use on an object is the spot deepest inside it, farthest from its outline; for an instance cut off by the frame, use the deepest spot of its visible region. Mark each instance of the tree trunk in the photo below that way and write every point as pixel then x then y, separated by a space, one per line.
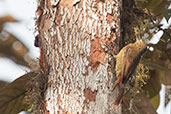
pixel 72 38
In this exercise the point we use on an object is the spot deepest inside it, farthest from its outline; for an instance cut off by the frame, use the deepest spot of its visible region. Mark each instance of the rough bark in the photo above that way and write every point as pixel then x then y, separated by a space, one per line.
pixel 72 34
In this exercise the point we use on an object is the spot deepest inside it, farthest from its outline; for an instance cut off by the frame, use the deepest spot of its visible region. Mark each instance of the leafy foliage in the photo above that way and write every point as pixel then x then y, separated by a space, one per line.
pixel 143 19
pixel 167 14
pixel 12 96
pixel 157 7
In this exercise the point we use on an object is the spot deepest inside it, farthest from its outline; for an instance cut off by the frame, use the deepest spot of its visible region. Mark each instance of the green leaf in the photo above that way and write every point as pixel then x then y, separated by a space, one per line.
pixel 12 96
pixel 167 14
pixel 153 86
pixel 151 4
pixel 155 100
pixel 156 7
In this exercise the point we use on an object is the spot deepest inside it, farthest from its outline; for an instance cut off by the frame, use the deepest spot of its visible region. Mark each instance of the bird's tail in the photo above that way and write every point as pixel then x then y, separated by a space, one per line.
pixel 119 97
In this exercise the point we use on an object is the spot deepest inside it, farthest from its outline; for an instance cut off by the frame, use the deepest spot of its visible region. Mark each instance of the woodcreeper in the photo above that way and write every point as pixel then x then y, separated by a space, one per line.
pixel 126 62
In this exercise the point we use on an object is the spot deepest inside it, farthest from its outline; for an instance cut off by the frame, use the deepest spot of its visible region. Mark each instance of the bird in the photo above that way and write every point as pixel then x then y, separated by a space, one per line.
pixel 126 62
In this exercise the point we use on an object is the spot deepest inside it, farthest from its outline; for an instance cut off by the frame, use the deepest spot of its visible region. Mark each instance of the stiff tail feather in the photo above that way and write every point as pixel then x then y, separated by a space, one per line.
pixel 119 97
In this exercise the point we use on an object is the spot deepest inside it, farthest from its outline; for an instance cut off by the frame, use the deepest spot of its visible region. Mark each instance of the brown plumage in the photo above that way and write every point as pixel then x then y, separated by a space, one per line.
pixel 126 62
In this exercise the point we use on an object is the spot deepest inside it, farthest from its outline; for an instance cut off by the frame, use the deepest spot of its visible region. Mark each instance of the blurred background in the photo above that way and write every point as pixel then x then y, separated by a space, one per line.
pixel 18 55
pixel 18 48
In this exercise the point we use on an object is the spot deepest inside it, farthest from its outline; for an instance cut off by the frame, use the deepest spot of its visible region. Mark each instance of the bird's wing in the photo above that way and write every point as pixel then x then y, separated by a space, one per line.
pixel 131 62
